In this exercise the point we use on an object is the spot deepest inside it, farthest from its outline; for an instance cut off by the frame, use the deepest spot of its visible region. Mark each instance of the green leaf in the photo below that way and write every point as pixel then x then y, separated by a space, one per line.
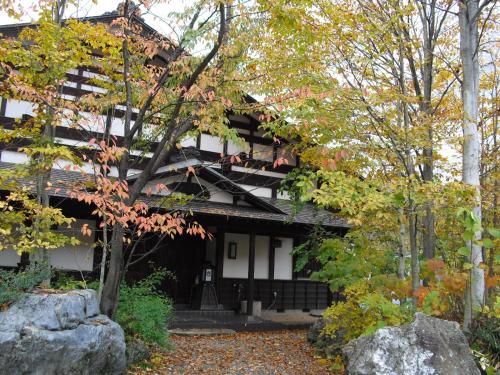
pixel 495 232
pixel 488 243
pixel 468 266
pixel 468 235
pixel 464 250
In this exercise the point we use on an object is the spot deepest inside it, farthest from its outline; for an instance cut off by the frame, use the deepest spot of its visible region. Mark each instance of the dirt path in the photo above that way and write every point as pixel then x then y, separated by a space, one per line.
pixel 260 353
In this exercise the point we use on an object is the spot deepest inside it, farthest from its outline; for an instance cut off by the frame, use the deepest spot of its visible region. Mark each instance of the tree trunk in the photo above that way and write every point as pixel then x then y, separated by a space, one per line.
pixel 103 262
pixel 111 289
pixel 402 250
pixel 415 269
pixel 469 40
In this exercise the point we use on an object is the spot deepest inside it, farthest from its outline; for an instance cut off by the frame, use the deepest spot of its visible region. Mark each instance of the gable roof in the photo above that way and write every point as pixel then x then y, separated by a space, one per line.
pixel 219 180
pixel 282 210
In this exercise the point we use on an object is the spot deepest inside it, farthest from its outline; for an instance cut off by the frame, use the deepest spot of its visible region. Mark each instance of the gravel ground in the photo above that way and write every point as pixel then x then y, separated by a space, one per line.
pixel 257 353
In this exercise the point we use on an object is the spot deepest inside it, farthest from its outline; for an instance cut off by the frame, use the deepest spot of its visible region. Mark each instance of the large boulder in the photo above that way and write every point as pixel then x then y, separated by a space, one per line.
pixel 49 333
pixel 427 346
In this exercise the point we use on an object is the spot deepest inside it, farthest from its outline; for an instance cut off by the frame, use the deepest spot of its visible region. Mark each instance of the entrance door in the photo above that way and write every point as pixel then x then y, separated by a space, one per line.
pixel 184 257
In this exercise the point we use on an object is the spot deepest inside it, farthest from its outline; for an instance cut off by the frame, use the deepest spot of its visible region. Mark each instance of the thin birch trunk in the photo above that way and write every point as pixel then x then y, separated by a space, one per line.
pixel 469 43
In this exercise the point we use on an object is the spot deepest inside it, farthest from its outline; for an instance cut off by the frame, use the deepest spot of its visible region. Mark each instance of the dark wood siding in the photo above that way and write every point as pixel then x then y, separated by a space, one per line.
pixel 291 294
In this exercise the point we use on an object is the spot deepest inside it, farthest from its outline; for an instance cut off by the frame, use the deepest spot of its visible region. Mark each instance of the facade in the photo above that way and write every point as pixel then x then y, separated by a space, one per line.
pixel 253 228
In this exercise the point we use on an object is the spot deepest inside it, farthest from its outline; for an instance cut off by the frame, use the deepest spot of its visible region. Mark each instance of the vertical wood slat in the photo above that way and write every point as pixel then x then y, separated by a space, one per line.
pixel 251 275
pixel 219 254
pixel 317 290
pixel 283 295
pixel 305 297
pixel 293 293
pixel 272 257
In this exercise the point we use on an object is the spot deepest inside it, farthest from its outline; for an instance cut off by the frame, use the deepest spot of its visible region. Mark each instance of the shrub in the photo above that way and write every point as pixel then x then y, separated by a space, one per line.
pixel 143 311
pixel 365 310
pixel 65 281
pixel 14 284
pixel 484 338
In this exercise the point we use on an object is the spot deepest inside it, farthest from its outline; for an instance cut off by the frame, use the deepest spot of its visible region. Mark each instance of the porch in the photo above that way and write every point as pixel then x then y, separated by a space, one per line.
pixel 250 266
pixel 198 322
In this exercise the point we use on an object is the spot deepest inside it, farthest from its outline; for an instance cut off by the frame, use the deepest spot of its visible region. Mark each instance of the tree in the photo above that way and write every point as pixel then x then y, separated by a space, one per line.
pixel 33 68
pixel 380 79
pixel 165 92
pixel 468 15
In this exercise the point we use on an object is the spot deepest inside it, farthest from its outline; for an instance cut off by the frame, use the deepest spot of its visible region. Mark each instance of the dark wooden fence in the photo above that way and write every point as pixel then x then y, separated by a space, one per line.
pixel 290 294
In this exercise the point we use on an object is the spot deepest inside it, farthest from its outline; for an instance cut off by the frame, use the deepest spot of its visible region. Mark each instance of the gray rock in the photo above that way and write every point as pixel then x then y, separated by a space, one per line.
pixel 315 331
pixel 427 346
pixel 137 351
pixel 326 345
pixel 48 333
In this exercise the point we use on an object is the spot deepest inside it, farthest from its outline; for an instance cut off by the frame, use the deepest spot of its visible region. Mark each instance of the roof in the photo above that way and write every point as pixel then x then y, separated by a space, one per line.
pixel 283 211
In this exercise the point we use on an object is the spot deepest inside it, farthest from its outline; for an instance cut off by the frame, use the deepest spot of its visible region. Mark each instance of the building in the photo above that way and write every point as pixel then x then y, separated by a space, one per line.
pixel 253 225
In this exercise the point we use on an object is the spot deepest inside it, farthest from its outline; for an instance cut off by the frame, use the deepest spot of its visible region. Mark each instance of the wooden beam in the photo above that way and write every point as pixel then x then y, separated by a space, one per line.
pixel 251 274
pixel 272 256
pixel 219 256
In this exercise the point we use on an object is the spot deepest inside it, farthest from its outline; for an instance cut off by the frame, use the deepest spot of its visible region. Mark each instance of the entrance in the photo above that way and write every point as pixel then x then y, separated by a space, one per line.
pixel 184 258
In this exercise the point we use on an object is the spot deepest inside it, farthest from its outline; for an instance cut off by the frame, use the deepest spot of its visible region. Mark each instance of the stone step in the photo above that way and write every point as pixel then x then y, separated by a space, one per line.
pixel 201 331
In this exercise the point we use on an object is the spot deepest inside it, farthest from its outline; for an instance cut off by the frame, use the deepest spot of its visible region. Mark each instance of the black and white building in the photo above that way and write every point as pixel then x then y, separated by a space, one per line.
pixel 240 204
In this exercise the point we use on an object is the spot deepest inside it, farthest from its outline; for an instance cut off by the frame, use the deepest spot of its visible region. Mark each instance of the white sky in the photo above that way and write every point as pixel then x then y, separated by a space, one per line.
pixel 94 8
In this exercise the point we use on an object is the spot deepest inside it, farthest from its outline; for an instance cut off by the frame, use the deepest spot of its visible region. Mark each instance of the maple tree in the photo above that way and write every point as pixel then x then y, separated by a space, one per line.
pixel 163 93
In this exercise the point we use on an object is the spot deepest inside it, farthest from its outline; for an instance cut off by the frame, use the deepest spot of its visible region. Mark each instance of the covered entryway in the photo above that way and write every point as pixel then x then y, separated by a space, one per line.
pixel 183 258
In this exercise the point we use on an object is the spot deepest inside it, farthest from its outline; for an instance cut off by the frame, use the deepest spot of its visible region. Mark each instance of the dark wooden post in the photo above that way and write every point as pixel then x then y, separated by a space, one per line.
pixel 251 273
pixel 219 259
pixel 272 256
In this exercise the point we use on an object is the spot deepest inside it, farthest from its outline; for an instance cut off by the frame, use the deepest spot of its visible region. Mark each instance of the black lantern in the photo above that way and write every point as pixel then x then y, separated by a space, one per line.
pixel 207 273
pixel 231 251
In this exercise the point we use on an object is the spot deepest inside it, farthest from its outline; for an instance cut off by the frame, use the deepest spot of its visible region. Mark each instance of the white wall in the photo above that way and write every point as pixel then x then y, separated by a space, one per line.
pixel 283 261
pixel 18 108
pixel 9 258
pixel 211 143
pixel 283 195
pixel 14 157
pixel 216 193
pixel 188 142
pixel 239 267
pixel 236 267
pixel 261 257
pixel 235 149
pixel 258 191
pixel 80 257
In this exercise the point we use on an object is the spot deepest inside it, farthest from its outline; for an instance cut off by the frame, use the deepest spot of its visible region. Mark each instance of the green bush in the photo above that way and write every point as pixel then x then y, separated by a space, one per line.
pixel 143 311
pixel 65 281
pixel 484 338
pixel 14 284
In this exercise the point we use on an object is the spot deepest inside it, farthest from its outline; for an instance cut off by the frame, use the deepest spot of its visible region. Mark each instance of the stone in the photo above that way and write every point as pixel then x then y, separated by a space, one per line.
pixel 426 346
pixel 326 345
pixel 49 333
pixel 137 351
pixel 191 332
pixel 316 331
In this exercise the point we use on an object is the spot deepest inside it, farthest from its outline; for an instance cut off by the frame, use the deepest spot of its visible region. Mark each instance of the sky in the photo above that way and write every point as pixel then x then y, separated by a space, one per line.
pixel 93 8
